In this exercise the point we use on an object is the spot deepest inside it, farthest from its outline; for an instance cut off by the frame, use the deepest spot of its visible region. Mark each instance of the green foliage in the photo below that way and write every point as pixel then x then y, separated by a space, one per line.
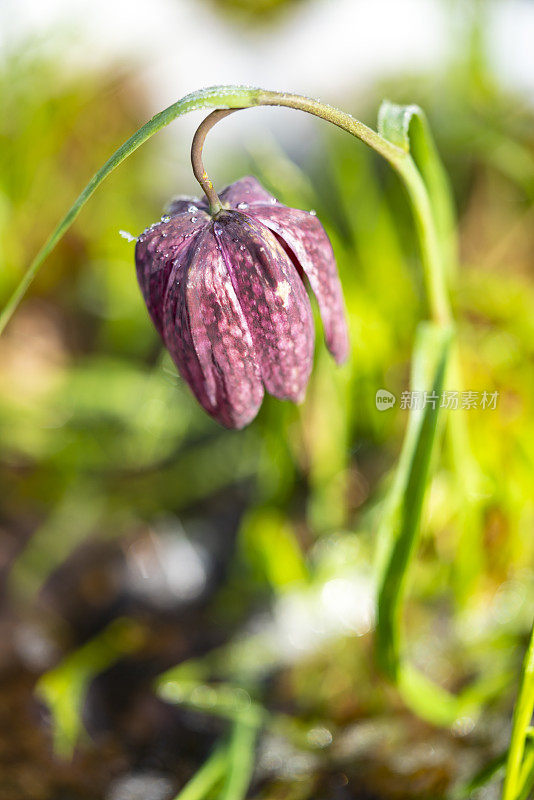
pixel 100 439
pixel 400 529
pixel 64 688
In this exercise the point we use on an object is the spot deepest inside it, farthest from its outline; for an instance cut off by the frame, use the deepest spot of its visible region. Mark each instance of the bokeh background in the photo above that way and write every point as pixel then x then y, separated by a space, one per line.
pixel 135 534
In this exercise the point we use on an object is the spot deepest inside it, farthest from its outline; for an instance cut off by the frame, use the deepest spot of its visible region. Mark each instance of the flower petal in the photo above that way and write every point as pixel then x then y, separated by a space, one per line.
pixel 274 302
pixel 244 192
pixel 184 204
pixel 209 339
pixel 305 238
pixel 157 251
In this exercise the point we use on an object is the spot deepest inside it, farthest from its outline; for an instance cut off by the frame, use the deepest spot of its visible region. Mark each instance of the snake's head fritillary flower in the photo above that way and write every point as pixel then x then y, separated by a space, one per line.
pixel 226 294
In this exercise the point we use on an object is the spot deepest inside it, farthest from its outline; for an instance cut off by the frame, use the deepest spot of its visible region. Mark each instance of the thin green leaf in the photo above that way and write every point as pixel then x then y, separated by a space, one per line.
pixel 408 128
pixel 400 530
pixel 64 688
pixel 526 781
pixel 519 778
pixel 213 97
pixel 488 773
pixel 208 776
pixel 241 760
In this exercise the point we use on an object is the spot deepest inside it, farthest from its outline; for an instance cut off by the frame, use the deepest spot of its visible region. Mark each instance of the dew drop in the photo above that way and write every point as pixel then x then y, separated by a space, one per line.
pixel 128 236
pixel 274 200
pixel 217 228
pixel 192 209
pixel 242 205
pixel 193 219
pixel 313 212
pixel 242 247
pixel 165 218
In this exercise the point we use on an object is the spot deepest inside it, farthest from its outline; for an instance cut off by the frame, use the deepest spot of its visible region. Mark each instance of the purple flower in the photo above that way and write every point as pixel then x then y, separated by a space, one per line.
pixel 226 294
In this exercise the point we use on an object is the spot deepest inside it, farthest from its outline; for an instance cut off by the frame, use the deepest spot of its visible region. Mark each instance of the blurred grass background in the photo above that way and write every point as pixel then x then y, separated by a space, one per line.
pixel 137 534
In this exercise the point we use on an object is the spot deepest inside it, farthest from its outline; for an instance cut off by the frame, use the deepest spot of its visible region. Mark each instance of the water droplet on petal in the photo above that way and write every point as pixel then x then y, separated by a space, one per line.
pixel 242 247
pixel 165 218
pixel 193 219
pixel 274 200
pixel 128 236
pixel 242 205
pixel 217 228
pixel 313 212
pixel 192 209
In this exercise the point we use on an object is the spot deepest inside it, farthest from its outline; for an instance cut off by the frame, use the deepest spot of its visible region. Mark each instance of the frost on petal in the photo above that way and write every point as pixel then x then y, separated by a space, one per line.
pixel 274 303
pixel 209 339
pixel 244 192
pixel 159 250
pixel 305 238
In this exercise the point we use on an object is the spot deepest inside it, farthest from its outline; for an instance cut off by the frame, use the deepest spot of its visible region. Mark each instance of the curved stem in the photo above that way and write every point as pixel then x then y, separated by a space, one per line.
pixel 236 97
pixel 400 160
pixel 196 157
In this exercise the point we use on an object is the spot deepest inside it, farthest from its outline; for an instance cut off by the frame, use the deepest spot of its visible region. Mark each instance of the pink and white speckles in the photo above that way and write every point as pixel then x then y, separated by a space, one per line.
pixel 221 337
pixel 283 342
pixel 227 297
pixel 158 249
pixel 306 240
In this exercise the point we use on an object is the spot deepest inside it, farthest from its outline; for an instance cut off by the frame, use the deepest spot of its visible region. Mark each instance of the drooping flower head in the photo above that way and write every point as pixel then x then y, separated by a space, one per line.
pixel 226 294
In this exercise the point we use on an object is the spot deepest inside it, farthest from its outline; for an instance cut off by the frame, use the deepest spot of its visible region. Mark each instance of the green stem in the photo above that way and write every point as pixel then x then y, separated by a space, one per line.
pixel 431 254
pixel 220 97
pixel 520 725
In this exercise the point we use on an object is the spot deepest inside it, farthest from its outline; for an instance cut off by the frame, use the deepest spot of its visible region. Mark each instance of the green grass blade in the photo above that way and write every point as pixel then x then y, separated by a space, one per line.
pixel 517 776
pixel 526 781
pixel 208 776
pixel 240 759
pixel 400 530
pixel 64 688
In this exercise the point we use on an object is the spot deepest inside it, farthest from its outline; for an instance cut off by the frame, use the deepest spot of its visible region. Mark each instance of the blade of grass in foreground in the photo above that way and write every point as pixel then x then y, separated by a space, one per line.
pixel 209 775
pixel 241 759
pixel 64 687
pixel 400 529
pixel 520 769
